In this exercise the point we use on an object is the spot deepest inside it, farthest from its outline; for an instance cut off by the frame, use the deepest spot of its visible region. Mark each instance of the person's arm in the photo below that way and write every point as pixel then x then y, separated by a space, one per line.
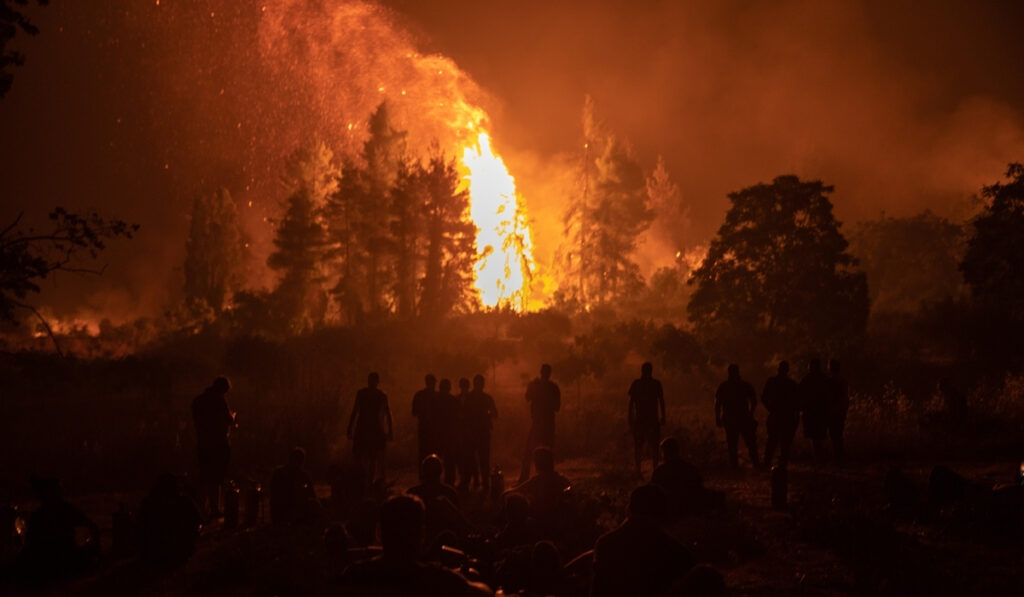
pixel 352 419
pixel 558 397
pixel 632 411
pixel 387 415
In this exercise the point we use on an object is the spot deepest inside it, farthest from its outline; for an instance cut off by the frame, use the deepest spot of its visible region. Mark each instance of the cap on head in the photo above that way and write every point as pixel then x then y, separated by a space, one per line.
pixel 646 370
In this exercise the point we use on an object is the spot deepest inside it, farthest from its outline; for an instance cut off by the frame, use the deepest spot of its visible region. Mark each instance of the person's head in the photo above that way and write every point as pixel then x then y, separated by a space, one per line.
pixel 646 370
pixel 648 502
pixel 401 527
pixel 670 449
pixel 431 469
pixel 463 384
pixel 48 489
pixel 734 371
pixel 833 367
pixel 221 385
pixel 478 382
pixel 784 368
pixel 543 459
pixel 815 365
pixel 297 457
pixel 545 371
pixel 430 380
pixel 517 508
pixel 373 380
pixel 546 562
pixel 446 386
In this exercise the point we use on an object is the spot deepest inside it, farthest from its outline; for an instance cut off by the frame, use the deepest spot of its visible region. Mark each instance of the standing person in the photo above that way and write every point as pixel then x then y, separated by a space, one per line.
pixel 478 414
pixel 213 420
pixel 370 428
pixel 838 405
pixel 735 402
pixel 447 414
pixel 814 403
pixel 423 406
pixel 646 398
pixel 781 397
pixel 545 400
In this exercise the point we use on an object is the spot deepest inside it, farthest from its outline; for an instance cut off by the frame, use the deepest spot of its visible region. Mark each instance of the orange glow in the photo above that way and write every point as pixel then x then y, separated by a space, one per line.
pixel 503 239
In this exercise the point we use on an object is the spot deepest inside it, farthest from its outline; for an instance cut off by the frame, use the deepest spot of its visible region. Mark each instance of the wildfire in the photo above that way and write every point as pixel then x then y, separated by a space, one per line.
pixel 503 239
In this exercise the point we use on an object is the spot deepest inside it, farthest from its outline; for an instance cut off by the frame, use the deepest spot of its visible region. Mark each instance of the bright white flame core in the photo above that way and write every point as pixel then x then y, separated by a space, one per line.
pixel 502 239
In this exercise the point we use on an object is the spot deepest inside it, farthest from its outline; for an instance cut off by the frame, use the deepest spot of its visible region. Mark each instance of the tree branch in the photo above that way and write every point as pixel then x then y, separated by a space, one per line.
pixel 46 325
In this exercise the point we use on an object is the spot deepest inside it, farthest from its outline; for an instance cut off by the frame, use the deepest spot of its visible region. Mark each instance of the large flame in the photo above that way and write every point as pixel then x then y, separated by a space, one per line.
pixel 503 239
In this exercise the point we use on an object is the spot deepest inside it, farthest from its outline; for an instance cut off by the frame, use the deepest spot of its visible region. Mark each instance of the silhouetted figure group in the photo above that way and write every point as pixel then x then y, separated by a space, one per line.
pixel 820 400
pixel 457 428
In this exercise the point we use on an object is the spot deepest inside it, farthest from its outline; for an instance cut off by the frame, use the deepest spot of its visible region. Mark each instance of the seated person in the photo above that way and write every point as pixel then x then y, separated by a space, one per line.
pixel 60 540
pixel 545 489
pixel 292 495
pixel 440 500
pixel 168 524
pixel 519 528
pixel 398 570
pixel 639 558
pixel 681 481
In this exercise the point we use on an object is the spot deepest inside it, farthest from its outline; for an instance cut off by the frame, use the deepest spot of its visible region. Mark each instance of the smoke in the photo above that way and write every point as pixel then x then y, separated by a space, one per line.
pixel 135 108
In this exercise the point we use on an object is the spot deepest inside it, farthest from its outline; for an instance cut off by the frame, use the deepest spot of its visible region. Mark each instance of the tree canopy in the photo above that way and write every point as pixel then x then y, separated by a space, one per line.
pixel 777 277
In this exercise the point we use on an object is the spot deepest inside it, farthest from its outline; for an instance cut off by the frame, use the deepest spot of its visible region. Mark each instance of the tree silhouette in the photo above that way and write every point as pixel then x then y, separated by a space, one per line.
pixel 28 256
pixel 214 251
pixel 777 276
pixel 11 21
pixel 450 239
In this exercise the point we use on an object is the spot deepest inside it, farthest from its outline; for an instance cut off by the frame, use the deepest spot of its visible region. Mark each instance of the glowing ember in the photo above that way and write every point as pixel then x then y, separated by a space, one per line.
pixel 503 239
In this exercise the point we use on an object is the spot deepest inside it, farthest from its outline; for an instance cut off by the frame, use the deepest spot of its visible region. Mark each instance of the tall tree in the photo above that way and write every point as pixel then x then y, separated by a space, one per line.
pixel 673 216
pixel 450 238
pixel 777 277
pixel 300 239
pixel 214 251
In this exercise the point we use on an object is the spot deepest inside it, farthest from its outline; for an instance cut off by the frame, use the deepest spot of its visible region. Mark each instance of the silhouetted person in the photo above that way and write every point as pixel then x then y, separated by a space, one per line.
pixel 369 428
pixel 646 399
pixel 545 489
pixel 545 400
pixel 168 524
pixel 398 570
pixel 520 528
pixel 814 397
pixel 292 495
pixel 478 414
pixel 447 414
pixel 639 558
pixel 213 420
pixel 735 402
pixel 681 481
pixel 547 577
pixel 781 397
pixel 440 499
pixel 838 405
pixel 51 547
pixel 423 409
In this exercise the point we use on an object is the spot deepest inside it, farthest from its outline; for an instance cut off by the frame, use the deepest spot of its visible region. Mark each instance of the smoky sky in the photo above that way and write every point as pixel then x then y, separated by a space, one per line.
pixel 134 108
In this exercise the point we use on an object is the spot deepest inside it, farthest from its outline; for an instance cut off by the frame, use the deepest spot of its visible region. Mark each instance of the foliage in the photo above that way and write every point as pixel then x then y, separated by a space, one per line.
pixel 28 256
pixel 11 21
pixel 300 242
pixel 993 266
pixel 909 261
pixel 214 251
pixel 673 215
pixel 777 277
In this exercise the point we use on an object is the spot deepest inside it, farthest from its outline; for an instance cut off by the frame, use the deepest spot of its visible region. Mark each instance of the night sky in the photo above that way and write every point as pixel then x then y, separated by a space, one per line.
pixel 136 107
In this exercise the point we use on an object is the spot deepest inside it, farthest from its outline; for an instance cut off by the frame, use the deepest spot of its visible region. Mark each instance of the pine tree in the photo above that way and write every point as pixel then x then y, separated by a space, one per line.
pixel 214 251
